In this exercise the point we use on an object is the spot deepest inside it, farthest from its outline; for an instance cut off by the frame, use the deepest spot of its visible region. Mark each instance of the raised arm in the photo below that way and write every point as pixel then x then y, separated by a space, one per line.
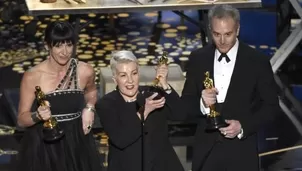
pixel 175 106
pixel 191 94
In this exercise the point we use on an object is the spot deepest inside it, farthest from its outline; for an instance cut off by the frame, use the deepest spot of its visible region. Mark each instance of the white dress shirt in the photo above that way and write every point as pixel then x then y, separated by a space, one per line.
pixel 223 71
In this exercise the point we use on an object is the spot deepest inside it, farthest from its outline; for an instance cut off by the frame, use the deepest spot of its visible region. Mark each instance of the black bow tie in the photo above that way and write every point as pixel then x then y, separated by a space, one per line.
pixel 224 55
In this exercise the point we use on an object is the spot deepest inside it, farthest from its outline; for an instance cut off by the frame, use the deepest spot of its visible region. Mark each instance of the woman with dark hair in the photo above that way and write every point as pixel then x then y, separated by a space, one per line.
pixel 70 96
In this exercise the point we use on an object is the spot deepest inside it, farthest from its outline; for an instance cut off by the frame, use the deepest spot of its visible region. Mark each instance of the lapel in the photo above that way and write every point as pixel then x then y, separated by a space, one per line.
pixel 237 76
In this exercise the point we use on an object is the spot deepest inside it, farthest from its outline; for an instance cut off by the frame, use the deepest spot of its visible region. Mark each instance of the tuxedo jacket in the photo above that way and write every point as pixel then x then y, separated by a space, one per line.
pixel 123 127
pixel 251 99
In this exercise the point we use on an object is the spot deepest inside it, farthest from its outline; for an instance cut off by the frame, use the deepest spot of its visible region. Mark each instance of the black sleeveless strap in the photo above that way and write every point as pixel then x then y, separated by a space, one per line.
pixel 73 77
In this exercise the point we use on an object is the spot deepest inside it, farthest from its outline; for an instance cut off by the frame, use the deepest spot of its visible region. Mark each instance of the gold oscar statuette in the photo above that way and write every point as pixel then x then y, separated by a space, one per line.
pixel 51 129
pixel 154 88
pixel 163 60
pixel 214 119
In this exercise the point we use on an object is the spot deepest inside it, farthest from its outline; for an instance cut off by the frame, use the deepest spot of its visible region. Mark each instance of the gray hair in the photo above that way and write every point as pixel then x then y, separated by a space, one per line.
pixel 224 11
pixel 122 56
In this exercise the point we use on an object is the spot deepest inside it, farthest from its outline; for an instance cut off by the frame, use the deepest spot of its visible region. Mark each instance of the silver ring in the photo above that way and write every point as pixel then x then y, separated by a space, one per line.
pixel 224 133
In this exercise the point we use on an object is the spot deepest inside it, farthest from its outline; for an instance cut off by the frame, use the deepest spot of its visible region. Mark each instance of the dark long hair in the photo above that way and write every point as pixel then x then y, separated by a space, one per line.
pixel 59 32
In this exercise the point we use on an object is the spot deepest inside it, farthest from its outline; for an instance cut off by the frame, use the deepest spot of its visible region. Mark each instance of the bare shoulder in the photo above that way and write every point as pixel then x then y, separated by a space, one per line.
pixel 33 74
pixel 85 69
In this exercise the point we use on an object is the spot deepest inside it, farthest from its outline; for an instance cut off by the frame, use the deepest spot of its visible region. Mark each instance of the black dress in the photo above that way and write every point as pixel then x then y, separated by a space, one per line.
pixel 123 128
pixel 75 151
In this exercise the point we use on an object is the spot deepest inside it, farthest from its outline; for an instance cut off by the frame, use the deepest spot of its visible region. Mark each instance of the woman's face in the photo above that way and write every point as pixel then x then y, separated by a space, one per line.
pixel 127 79
pixel 61 52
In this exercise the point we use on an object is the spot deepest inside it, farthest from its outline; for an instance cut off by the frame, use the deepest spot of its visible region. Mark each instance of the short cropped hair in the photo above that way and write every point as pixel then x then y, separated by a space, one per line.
pixel 122 56
pixel 223 11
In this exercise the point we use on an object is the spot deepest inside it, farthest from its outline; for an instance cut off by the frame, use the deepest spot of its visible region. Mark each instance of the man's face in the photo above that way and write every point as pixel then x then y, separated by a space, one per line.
pixel 224 32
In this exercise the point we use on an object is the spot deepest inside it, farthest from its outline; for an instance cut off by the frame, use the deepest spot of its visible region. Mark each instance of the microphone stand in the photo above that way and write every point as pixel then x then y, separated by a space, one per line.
pixel 141 110
pixel 143 137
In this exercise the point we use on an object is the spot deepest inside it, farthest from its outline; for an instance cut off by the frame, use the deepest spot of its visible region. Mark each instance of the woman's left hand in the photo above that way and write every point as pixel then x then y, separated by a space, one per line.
pixel 87 120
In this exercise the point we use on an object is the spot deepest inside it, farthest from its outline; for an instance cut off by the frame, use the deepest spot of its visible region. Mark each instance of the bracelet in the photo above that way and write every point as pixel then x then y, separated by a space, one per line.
pixel 34 117
pixel 90 108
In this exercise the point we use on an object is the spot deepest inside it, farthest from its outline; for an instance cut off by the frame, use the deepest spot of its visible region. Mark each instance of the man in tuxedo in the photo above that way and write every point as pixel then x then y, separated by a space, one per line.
pixel 244 93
